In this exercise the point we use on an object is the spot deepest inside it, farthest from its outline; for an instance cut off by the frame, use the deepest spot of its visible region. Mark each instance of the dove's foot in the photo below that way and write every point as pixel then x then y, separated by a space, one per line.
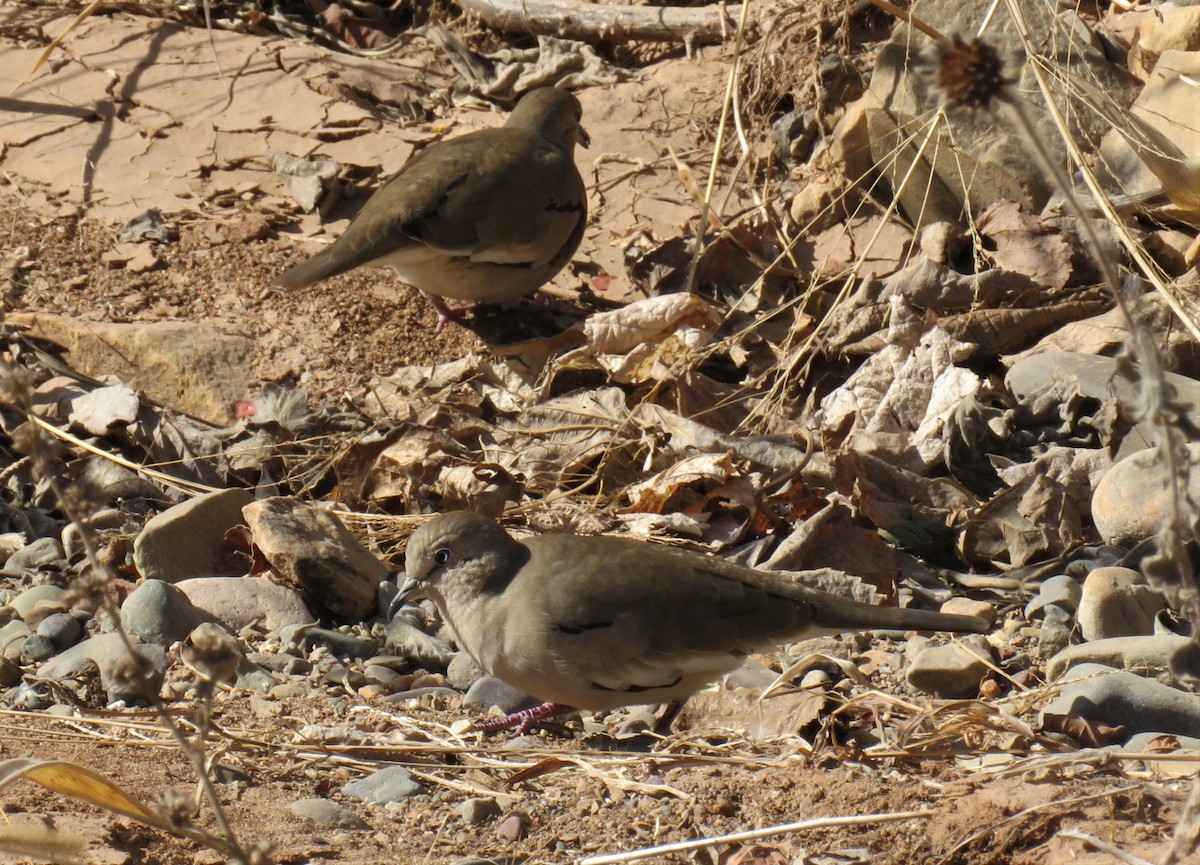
pixel 525 719
pixel 447 313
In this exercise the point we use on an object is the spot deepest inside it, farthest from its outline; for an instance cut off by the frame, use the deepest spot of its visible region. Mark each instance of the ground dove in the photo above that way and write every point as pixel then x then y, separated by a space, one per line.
pixel 601 622
pixel 487 217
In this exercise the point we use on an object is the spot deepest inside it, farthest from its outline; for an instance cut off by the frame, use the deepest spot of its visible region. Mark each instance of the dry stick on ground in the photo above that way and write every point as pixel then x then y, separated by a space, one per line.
pixel 737 837
pixel 592 21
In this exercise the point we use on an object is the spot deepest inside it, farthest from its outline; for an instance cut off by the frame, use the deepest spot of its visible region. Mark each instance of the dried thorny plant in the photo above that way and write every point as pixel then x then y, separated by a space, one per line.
pixel 970 75
pixel 213 656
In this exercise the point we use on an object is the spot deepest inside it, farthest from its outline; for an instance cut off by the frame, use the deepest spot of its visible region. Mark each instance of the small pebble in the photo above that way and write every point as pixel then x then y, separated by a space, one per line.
pixel 393 784
pixel 512 828
pixel 947 671
pixel 36 649
pixel 327 813
pixel 970 607
pixel 1061 591
pixel 478 810
pixel 61 629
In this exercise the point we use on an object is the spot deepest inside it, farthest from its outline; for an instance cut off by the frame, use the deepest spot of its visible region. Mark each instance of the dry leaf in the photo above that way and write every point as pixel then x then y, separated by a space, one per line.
pixel 1023 244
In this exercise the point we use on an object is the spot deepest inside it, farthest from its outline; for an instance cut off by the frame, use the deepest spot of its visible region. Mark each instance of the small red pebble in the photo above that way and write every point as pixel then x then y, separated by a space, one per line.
pixel 989 689
pixel 512 828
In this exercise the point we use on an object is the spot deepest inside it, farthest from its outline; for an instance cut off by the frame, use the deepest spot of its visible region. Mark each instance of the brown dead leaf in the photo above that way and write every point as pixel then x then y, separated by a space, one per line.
pixel 654 494
pixel 1027 522
pixel 537 770
pixel 1090 734
pixel 485 488
pixel 1023 244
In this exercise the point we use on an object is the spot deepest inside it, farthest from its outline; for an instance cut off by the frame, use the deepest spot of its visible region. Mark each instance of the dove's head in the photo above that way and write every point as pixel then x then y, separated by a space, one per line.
pixel 459 556
pixel 554 114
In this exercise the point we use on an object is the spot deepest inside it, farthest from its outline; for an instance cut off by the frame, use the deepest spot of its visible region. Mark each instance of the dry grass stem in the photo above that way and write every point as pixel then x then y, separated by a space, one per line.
pixel 753 835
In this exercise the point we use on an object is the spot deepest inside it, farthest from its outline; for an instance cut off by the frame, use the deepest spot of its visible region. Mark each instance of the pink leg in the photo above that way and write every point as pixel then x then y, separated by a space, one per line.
pixel 447 313
pixel 523 720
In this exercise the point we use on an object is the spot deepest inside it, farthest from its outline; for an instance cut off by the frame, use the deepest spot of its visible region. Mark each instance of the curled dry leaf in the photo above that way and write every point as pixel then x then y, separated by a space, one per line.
pixel 1091 734
pixel 908 388
pixel 654 494
pixel 640 342
pixel 485 488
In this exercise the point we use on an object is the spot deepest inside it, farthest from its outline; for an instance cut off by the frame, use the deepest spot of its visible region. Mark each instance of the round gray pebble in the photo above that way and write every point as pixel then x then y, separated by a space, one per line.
pixel 61 629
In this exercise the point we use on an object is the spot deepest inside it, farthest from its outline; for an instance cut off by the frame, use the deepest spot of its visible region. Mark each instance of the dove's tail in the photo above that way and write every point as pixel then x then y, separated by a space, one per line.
pixel 842 614
pixel 320 266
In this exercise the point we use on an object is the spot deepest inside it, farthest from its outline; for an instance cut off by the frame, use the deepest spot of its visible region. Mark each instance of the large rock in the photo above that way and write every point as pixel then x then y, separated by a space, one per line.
pixel 193 368
pixel 1121 699
pixel 312 551
pixel 1117 603
pixel 1132 501
pixel 185 541
pixel 237 602
pixel 973 160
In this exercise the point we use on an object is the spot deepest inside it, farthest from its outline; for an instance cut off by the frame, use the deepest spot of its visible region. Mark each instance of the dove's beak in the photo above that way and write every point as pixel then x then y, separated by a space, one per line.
pixel 584 139
pixel 410 590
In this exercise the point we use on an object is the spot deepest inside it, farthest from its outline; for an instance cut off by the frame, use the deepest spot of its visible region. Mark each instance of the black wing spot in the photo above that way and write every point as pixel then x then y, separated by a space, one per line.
pixel 568 207
pixel 638 689
pixel 579 629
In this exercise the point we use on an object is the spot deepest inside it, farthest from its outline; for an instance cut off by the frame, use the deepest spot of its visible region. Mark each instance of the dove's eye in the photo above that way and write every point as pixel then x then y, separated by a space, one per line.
pixel 441 555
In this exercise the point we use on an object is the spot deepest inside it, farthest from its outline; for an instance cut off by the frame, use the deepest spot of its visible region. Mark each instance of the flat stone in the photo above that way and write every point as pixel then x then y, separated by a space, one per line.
pixel 1122 699
pixel 970 607
pixel 185 540
pixel 326 812
pixel 28 599
pixel 393 784
pixel 1117 603
pixel 1153 652
pixel 188 366
pixel 36 555
pixel 380 675
pixel 43 610
pixel 238 602
pixel 105 651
